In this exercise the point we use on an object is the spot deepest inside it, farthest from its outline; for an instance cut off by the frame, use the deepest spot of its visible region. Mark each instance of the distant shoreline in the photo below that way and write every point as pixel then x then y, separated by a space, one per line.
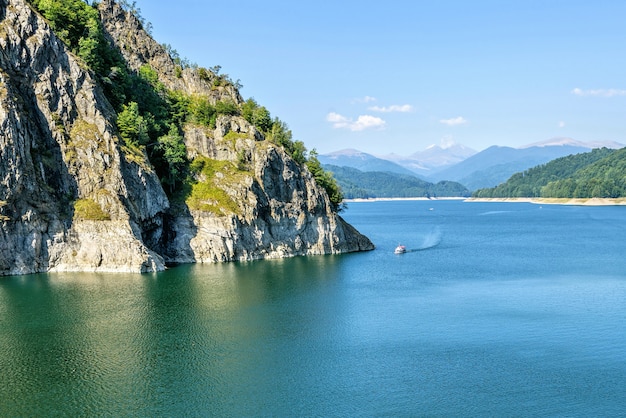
pixel 387 199
pixel 595 201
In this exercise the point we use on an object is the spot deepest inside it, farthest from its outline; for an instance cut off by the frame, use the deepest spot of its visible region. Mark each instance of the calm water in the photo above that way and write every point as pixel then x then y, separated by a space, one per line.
pixel 496 310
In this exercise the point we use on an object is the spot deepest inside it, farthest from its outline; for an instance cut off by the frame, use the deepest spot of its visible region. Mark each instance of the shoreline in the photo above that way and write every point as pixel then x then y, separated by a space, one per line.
pixel 388 199
pixel 593 201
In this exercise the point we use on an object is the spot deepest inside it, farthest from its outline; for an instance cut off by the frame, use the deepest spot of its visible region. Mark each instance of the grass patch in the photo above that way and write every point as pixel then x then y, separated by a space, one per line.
pixel 207 197
pixel 234 136
pixel 135 154
pixel 88 209
pixel 205 193
pixel 83 131
pixel 81 135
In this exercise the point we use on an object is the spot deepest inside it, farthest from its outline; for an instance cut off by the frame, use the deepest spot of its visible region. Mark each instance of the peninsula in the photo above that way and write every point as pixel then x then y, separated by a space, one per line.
pixel 116 155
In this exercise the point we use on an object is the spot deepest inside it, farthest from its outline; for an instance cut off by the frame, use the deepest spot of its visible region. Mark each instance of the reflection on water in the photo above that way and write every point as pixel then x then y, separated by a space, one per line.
pixel 511 311
pixel 175 341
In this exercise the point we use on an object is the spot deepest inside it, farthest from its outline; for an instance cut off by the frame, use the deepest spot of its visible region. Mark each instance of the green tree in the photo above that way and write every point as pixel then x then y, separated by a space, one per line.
pixel 226 108
pixel 202 111
pixel 248 108
pixel 174 153
pixel 325 180
pixel 132 126
pixel 262 119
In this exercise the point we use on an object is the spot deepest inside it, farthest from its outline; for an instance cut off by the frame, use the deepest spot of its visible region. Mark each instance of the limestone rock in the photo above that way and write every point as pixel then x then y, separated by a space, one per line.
pixel 74 198
pixel 58 146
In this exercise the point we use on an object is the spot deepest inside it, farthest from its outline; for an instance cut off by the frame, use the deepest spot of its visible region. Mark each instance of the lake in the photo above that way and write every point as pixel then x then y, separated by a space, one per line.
pixel 497 309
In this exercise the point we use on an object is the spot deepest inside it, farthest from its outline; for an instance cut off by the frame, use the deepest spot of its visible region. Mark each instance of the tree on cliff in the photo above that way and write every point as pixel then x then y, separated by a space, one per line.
pixel 150 115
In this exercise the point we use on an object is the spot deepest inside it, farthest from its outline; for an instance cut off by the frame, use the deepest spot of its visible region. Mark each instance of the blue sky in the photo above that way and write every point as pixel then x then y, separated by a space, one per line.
pixel 397 76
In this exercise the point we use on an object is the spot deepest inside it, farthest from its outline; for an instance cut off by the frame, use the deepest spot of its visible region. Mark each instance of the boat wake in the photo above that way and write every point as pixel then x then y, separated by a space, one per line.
pixel 430 241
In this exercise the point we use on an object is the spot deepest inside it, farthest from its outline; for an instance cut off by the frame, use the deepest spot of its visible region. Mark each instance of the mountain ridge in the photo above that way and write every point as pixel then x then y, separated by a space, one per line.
pixel 599 173
pixel 492 165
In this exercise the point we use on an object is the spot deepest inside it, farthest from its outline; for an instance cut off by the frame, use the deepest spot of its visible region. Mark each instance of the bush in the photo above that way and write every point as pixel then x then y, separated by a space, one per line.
pixel 88 209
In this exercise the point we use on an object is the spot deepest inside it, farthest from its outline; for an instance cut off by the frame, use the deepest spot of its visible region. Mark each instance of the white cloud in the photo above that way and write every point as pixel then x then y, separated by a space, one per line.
pixel 599 92
pixel 454 121
pixel 561 124
pixel 362 123
pixel 393 108
pixel 366 99
pixel 447 142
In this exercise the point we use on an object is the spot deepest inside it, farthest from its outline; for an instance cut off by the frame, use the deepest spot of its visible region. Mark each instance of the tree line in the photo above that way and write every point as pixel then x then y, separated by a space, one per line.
pixel 599 173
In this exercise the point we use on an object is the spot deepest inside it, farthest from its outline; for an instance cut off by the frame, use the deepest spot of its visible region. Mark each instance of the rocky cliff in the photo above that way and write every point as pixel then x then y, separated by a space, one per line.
pixel 73 197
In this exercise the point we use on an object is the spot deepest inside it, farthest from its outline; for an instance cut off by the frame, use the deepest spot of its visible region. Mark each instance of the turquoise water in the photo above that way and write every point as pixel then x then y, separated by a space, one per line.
pixel 498 309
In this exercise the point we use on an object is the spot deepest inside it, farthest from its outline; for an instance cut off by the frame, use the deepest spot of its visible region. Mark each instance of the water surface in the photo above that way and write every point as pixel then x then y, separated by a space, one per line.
pixel 498 309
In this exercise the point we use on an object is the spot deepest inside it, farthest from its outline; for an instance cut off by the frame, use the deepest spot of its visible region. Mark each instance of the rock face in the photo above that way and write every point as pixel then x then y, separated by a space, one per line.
pixel 281 211
pixel 74 198
pixel 58 146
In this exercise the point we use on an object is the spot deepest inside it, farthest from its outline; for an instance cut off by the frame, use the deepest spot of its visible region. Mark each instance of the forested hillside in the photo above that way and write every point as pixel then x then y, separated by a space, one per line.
pixel 152 114
pixel 357 184
pixel 599 173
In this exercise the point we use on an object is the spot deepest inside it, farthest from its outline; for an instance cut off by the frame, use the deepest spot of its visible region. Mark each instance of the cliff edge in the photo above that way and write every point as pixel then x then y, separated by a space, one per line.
pixel 76 196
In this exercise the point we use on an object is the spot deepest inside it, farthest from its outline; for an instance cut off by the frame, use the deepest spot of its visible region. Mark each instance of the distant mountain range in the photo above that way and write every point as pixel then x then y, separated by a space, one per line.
pixel 454 162
pixel 360 184
pixel 362 161
pixel 433 159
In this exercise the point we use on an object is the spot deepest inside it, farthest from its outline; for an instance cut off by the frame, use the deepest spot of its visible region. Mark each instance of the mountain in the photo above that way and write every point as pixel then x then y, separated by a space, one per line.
pixel 361 161
pixel 116 156
pixel 495 164
pixel 562 141
pixel 358 184
pixel 433 159
pixel 599 173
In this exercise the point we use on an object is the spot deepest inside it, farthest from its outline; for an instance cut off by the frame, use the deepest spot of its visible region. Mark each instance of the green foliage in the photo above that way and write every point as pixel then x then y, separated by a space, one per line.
pixel 149 116
pixel 358 184
pixel 298 152
pixel 262 119
pixel 68 18
pixel 204 74
pixel 78 25
pixel 179 104
pixel 604 178
pixel 598 173
pixel 202 112
pixel 325 180
pixel 280 134
pixel 88 209
pixel 132 127
pixel 248 108
pixel 172 147
pixel 226 108
pixel 149 74
pixel 206 195
pixel 257 115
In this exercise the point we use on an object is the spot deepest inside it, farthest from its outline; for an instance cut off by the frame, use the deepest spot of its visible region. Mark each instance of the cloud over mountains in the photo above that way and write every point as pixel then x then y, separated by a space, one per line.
pixel 362 123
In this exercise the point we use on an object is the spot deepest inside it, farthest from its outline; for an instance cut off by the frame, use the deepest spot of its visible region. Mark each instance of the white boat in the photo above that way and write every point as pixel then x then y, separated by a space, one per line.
pixel 400 249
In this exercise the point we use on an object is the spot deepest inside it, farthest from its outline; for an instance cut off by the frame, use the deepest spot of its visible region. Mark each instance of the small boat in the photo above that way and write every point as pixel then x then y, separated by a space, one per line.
pixel 400 249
